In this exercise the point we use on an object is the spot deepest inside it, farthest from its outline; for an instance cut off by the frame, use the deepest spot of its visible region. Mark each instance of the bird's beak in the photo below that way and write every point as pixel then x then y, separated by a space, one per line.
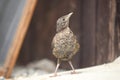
pixel 69 15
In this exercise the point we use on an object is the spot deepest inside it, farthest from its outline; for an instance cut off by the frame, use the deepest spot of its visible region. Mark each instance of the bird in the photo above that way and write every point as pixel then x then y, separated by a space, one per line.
pixel 64 44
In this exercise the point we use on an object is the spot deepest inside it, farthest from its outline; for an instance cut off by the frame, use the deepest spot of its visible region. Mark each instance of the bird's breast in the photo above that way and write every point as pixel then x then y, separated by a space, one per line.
pixel 64 44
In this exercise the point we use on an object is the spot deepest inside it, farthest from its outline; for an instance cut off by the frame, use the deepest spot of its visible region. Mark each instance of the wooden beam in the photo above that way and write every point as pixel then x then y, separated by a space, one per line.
pixel 112 8
pixel 88 40
pixel 19 37
pixel 102 31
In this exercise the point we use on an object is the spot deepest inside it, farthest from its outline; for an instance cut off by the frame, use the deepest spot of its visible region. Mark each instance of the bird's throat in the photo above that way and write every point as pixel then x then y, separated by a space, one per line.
pixel 62 29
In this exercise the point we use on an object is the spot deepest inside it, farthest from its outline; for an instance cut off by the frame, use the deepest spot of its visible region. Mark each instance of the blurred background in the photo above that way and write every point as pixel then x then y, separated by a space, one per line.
pixel 96 23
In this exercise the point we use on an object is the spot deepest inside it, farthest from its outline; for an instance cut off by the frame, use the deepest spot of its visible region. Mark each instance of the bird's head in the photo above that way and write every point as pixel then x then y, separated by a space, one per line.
pixel 63 22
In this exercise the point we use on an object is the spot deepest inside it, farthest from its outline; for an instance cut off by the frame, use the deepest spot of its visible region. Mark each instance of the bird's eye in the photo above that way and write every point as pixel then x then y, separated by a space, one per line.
pixel 63 19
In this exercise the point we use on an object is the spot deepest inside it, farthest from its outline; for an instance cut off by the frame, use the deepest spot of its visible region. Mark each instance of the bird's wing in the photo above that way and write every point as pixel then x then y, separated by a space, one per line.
pixel 53 42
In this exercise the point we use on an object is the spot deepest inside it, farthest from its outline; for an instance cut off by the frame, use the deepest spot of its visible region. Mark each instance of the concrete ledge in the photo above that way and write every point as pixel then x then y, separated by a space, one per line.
pixel 109 71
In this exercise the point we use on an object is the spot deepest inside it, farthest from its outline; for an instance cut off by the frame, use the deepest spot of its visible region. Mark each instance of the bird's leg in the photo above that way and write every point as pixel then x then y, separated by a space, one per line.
pixel 58 64
pixel 73 72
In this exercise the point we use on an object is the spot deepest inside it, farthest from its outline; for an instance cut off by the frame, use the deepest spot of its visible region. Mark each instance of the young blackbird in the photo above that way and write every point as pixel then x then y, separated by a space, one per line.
pixel 64 43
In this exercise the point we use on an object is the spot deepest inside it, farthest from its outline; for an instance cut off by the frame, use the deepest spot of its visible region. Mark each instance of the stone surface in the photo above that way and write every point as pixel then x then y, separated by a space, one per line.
pixel 44 64
pixel 109 71
pixel 40 67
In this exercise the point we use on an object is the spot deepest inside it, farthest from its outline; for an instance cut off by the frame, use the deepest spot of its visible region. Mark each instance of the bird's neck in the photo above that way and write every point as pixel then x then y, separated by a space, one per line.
pixel 64 29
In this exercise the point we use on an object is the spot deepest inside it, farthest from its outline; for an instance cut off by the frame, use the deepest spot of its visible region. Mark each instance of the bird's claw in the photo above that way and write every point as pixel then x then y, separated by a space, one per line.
pixel 73 72
pixel 54 75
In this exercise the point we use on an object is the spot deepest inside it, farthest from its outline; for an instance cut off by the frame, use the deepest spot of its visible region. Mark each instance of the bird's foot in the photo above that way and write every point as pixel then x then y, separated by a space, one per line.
pixel 73 72
pixel 54 75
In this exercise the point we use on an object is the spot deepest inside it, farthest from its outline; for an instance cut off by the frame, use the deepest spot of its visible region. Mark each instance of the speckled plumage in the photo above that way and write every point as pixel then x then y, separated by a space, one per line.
pixel 64 43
